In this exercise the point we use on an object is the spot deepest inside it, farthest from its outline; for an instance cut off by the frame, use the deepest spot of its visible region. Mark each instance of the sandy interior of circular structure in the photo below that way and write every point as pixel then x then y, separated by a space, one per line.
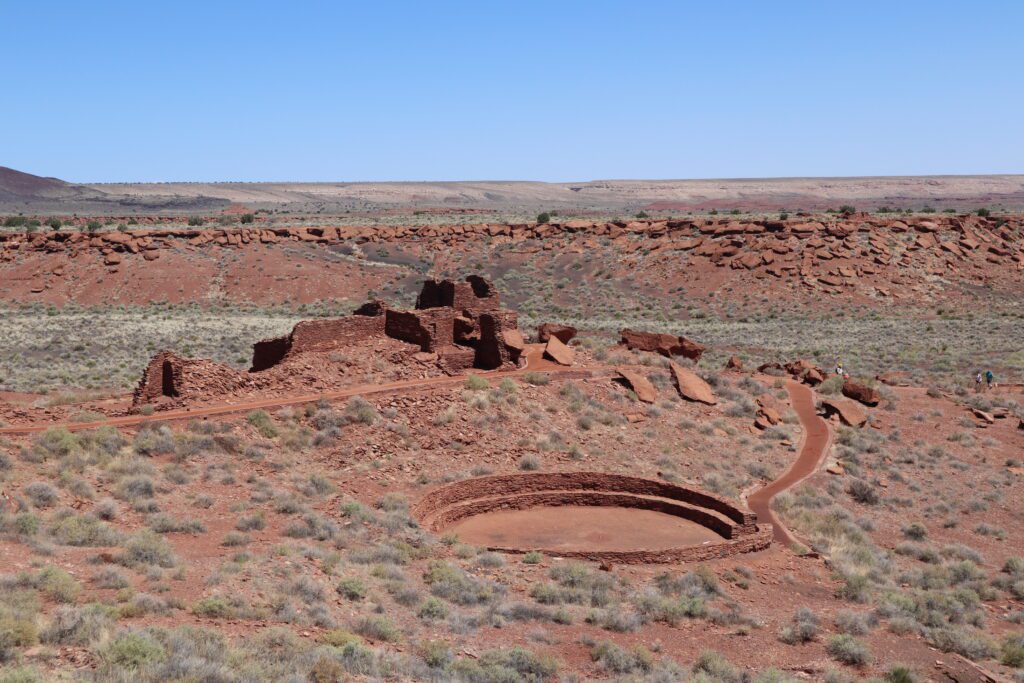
pixel 575 527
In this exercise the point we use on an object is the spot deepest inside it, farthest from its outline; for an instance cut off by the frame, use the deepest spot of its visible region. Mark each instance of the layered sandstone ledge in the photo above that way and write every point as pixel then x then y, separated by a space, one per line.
pixel 736 525
pixel 829 251
pixel 989 229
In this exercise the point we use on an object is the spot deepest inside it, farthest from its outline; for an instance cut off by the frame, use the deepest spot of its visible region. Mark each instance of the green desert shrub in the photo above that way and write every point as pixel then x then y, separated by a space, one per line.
pixel 803 628
pixel 84 530
pixel 262 422
pixel 146 547
pixel 848 650
pixel 377 627
pixel 352 588
pixel 131 650
pixel 620 660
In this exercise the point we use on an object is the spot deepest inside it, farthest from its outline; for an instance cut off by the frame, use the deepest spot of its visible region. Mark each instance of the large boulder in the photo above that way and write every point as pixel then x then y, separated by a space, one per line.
pixel 691 386
pixel 514 341
pixel 559 352
pixel 665 344
pixel 861 392
pixel 814 377
pixel 640 385
pixel 849 412
pixel 565 333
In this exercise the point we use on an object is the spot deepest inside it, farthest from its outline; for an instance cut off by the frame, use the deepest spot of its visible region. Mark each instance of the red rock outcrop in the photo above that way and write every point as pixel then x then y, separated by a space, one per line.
pixel 851 254
pixel 665 344
pixel 565 333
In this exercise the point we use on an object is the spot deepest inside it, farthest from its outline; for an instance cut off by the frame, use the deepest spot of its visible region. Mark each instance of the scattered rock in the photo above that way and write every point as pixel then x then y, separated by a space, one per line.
pixel 849 412
pixel 734 363
pixel 806 371
pixel 640 385
pixel 559 352
pixel 959 670
pixel 982 415
pixel 770 414
pixel 771 368
pixel 691 386
pixel 665 344
pixel 513 339
pixel 814 377
pixel 895 379
pixel 861 392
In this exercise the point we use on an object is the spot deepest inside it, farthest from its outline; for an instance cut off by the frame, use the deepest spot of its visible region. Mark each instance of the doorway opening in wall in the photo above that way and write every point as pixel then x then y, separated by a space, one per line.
pixel 167 387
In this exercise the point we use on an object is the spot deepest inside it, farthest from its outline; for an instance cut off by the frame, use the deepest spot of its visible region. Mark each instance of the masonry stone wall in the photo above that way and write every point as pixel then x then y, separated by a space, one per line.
pixel 170 380
pixel 431 329
pixel 317 336
pixel 462 322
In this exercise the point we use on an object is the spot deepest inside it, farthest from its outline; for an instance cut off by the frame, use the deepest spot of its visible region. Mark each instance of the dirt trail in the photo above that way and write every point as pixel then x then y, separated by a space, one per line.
pixel 535 362
pixel 814 444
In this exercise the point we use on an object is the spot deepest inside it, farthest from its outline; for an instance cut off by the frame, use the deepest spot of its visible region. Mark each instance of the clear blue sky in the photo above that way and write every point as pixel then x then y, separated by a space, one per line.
pixel 555 90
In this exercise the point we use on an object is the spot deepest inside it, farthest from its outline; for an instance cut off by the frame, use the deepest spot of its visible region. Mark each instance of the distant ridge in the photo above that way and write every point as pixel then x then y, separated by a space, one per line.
pixel 26 193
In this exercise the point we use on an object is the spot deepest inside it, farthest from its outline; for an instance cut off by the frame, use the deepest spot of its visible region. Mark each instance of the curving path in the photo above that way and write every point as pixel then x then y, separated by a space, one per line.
pixel 813 445
pixel 535 362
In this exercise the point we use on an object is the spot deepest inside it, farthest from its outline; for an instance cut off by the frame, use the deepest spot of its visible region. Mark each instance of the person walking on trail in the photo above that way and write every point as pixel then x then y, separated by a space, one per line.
pixel 988 379
pixel 839 368
pixel 978 379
